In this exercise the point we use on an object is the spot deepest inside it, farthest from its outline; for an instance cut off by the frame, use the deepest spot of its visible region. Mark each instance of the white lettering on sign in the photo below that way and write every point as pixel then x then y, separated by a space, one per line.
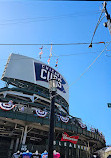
pixel 65 137
pixel 74 145
pixel 65 144
pixel 60 143
pixel 70 145
pixel 43 73
pixel 54 142
pixel 48 73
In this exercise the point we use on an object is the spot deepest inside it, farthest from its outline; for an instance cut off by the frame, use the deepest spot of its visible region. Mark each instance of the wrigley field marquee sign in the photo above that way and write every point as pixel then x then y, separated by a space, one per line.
pixel 20 69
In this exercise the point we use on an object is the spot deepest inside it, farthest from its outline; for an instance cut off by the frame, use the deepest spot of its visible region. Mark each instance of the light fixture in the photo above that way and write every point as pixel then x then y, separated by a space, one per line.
pixel 105 24
pixel 90 46
pixel 53 85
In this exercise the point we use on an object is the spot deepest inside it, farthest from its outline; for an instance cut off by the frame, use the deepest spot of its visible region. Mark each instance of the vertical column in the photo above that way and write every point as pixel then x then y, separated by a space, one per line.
pixel 74 150
pixel 25 135
pixel 77 152
pixel 65 148
pixel 11 144
pixel 51 127
pixel 16 145
pixel 88 150
pixel 11 147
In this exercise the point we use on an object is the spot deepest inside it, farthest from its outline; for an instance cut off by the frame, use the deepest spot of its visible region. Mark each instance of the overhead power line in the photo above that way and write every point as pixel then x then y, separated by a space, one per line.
pixel 91 64
pixel 31 44
pixel 99 21
pixel 87 68
pixel 61 55
pixel 38 19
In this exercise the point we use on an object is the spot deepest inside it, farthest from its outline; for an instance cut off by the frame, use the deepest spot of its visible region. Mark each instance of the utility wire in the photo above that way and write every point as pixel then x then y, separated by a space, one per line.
pixel 37 19
pixel 87 68
pixel 100 19
pixel 56 56
pixel 62 55
pixel 90 65
pixel 96 27
pixel 64 15
pixel 31 44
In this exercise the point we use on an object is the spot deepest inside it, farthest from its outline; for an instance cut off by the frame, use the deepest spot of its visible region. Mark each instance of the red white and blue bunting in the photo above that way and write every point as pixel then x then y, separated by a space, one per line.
pixel 82 125
pixel 41 113
pixel 7 106
pixel 64 119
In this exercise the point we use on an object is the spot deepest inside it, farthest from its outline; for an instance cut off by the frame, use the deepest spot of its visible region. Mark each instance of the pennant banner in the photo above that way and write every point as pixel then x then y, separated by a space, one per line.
pixel 7 106
pixel 40 54
pixel 82 125
pixel 50 52
pixel 72 139
pixel 41 113
pixel 56 63
pixel 48 60
pixel 64 119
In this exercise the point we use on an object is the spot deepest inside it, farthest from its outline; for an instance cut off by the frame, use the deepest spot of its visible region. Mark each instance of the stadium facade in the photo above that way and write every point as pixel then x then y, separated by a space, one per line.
pixel 25 112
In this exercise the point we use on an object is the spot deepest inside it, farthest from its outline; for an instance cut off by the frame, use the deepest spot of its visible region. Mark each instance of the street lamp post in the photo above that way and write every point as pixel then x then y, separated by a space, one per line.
pixel 52 90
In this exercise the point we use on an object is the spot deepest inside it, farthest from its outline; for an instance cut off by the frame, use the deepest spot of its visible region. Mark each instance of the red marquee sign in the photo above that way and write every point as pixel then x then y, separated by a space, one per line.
pixel 72 139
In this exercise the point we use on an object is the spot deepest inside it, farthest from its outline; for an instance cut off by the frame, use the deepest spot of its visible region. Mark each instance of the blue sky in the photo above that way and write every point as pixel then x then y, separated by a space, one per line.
pixel 57 22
